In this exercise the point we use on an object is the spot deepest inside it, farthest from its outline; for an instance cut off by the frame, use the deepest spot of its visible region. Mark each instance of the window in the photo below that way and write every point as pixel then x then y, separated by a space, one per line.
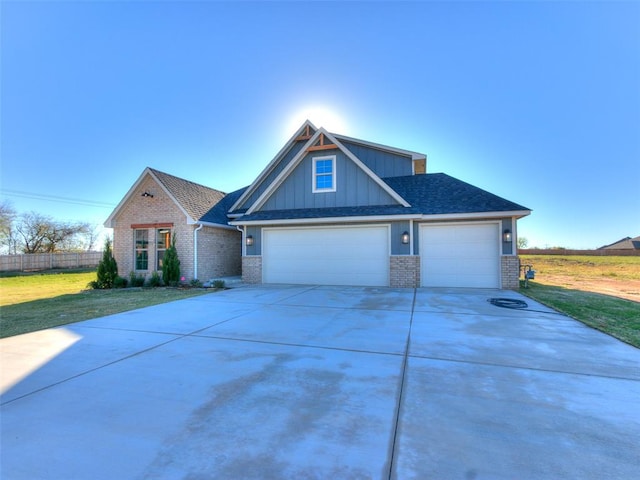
pixel 142 249
pixel 163 241
pixel 324 174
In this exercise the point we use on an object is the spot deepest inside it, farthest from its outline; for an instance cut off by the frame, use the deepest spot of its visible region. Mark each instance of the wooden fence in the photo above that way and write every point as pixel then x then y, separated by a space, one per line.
pixel 31 262
pixel 562 251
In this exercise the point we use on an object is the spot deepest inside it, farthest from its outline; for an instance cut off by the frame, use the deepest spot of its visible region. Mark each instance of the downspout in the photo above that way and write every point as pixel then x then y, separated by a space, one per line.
pixel 195 250
pixel 244 244
pixel 411 237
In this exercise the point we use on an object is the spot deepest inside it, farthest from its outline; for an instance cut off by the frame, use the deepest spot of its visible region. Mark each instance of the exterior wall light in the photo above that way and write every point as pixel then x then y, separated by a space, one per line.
pixel 249 240
pixel 405 237
pixel 506 236
pixel 147 194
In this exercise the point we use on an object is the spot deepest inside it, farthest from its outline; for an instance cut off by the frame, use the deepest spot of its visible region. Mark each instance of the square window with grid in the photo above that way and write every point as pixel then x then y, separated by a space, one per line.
pixel 324 169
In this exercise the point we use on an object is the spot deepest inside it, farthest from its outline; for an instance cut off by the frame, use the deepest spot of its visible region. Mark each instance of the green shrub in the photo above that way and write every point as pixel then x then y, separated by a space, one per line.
pixel 107 269
pixel 218 284
pixel 136 280
pixel 154 280
pixel 120 282
pixel 195 283
pixel 171 265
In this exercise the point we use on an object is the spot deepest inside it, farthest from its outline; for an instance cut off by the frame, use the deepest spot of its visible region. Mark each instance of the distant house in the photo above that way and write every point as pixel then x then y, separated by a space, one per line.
pixel 626 243
pixel 331 210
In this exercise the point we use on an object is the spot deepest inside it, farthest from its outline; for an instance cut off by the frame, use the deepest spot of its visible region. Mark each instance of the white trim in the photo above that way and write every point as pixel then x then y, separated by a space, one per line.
pixel 478 215
pixel 302 153
pixel 314 174
pixel 271 164
pixel 329 220
pixel 215 225
pixel 378 146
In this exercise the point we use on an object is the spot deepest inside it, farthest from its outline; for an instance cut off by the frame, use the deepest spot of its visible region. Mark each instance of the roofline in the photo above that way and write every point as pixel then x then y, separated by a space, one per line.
pixel 214 225
pixel 271 164
pixel 109 222
pixel 379 218
pixel 354 219
pixel 379 146
pixel 260 201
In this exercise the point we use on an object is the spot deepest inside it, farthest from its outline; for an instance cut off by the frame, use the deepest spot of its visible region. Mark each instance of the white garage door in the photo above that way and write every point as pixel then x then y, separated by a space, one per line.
pixel 460 255
pixel 326 256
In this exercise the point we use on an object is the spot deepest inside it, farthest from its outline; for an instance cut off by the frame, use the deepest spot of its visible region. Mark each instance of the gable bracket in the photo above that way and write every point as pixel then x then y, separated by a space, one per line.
pixel 322 145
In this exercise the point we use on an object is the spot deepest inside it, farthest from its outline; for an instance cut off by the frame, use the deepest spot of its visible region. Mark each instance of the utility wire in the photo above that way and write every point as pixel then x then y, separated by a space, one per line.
pixel 56 198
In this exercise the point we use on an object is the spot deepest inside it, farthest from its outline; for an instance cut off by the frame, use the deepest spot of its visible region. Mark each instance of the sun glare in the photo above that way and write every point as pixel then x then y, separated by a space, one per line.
pixel 321 117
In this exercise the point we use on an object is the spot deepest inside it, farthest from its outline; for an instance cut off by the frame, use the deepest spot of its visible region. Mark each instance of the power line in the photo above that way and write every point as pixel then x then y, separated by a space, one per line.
pixel 56 198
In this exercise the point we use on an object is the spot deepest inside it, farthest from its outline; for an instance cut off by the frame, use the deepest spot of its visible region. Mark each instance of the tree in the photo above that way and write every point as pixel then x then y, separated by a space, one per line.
pixel 523 242
pixel 42 234
pixel 107 268
pixel 7 232
pixel 171 265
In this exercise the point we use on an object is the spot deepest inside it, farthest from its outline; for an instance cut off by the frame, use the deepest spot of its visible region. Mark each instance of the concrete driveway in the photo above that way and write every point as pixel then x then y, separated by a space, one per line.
pixel 322 382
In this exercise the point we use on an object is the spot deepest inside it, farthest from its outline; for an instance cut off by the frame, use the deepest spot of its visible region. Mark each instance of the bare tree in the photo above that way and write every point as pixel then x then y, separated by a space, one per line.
pixel 40 233
pixel 7 232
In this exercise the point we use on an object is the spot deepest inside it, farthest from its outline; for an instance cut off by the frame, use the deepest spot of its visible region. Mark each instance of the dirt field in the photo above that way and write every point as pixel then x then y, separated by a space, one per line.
pixel 615 276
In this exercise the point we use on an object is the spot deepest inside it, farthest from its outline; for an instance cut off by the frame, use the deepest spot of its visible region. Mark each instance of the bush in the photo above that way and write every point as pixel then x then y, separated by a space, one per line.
pixel 107 269
pixel 195 283
pixel 155 280
pixel 218 284
pixel 171 265
pixel 120 282
pixel 136 280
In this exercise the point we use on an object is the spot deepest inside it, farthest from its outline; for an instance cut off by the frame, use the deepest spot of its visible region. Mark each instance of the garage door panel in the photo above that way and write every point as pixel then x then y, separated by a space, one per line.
pixel 460 255
pixel 328 256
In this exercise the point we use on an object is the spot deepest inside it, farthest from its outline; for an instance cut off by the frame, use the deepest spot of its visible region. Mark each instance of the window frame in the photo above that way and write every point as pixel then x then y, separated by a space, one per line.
pixel 166 233
pixel 141 250
pixel 315 174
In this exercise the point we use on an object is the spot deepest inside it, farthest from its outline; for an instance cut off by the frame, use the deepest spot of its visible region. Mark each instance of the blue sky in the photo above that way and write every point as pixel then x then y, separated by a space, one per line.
pixel 538 102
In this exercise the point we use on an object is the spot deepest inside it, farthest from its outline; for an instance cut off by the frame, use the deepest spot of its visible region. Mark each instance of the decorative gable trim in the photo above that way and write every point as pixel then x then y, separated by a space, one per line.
pixel 110 222
pixel 305 132
pixel 303 152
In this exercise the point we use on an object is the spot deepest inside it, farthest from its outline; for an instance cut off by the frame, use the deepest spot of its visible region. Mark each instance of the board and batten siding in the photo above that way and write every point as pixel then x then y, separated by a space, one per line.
pixel 293 151
pixel 384 164
pixel 353 187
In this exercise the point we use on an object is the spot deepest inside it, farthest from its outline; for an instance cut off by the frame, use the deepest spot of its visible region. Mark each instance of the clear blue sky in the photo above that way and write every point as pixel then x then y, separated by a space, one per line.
pixel 537 102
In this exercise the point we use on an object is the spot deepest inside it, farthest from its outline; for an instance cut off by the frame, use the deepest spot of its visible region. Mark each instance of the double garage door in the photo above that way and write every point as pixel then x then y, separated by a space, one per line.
pixel 462 255
pixel 326 256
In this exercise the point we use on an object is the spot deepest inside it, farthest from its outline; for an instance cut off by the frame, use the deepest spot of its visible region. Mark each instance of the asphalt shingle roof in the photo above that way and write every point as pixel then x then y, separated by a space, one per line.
pixel 196 199
pixel 218 213
pixel 428 194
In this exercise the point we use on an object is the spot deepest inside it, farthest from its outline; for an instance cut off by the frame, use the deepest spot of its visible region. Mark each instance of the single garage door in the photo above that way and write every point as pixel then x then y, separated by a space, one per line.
pixel 460 255
pixel 326 256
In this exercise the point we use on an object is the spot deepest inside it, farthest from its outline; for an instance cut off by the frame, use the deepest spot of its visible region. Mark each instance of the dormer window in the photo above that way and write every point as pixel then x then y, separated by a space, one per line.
pixel 324 174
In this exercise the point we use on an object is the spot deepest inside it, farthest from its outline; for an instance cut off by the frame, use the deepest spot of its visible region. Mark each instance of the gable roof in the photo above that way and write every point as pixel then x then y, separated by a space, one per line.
pixel 626 243
pixel 303 152
pixel 434 194
pixel 193 199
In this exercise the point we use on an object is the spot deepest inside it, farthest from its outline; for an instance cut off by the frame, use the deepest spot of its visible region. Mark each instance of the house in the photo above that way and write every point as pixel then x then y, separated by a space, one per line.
pixel 328 209
pixel 626 243
pixel 159 206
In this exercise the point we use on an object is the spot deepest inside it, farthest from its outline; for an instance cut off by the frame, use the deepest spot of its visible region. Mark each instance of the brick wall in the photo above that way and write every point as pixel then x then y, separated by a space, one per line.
pixel 510 265
pixel 252 269
pixel 219 253
pixel 404 271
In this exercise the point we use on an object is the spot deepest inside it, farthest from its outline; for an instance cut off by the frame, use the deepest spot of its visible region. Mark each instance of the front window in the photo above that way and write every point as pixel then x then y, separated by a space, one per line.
pixel 142 249
pixel 324 174
pixel 163 241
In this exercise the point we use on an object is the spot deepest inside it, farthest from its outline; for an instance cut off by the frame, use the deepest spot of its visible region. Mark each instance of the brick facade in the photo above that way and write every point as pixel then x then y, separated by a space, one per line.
pixel 218 249
pixel 252 269
pixel 510 270
pixel 404 271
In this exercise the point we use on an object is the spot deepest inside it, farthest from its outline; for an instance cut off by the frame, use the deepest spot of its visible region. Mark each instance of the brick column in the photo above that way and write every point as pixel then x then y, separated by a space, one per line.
pixel 404 271
pixel 252 269
pixel 510 266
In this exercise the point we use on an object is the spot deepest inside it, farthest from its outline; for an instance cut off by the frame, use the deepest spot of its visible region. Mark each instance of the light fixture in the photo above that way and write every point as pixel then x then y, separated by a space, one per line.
pixel 249 240
pixel 405 237
pixel 506 235
pixel 147 194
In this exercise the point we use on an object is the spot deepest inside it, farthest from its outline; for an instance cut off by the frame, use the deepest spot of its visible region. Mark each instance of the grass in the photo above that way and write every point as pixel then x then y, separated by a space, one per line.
pixel 570 284
pixel 38 301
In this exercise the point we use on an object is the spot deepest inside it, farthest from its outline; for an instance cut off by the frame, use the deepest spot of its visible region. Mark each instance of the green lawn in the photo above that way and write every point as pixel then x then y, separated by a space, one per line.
pixel 615 316
pixel 45 300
